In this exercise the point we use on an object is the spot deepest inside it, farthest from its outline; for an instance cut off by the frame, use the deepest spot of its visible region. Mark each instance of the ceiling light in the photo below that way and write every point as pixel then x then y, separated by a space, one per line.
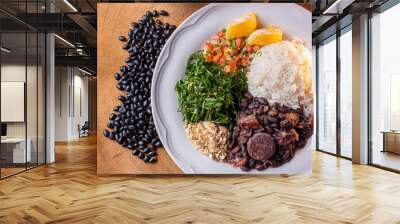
pixel 70 5
pixel 5 50
pixel 84 71
pixel 65 41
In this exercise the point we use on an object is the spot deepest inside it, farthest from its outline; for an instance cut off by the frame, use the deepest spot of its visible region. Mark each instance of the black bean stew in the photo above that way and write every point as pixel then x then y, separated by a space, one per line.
pixel 267 135
pixel 131 124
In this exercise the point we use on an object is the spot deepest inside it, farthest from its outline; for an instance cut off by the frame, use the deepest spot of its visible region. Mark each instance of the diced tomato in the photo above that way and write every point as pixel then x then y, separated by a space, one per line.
pixel 223 47
pixel 232 65
pixel 238 42
pixel 218 51
pixel 216 58
pixel 245 61
pixel 237 59
pixel 208 47
pixel 221 61
pixel 249 48
pixel 209 58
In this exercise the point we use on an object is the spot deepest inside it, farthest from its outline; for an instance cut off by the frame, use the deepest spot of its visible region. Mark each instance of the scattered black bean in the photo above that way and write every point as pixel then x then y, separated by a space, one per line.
pixel 153 159
pixel 152 154
pixel 147 150
pixel 155 13
pixel 122 38
pixel 164 13
pixel 131 123
pixel 135 152
pixel 106 133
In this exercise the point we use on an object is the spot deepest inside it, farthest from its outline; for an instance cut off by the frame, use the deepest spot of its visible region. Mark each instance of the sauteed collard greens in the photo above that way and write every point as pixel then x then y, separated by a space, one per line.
pixel 207 93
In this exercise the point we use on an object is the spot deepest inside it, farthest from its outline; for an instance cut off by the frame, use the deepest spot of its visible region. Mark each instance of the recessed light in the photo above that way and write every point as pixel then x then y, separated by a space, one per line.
pixel 84 71
pixel 64 40
pixel 5 50
pixel 70 5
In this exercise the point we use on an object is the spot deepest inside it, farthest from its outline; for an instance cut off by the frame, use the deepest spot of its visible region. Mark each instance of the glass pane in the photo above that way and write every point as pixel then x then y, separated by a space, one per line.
pixel 346 94
pixel 13 87
pixel 41 98
pixel 31 98
pixel 327 97
pixel 31 88
pixel 386 89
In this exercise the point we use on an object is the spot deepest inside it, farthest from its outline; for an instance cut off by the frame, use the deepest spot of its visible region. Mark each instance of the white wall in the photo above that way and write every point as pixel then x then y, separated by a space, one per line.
pixel 70 83
pixel 33 126
pixel 16 73
pixel 81 84
pixel 61 103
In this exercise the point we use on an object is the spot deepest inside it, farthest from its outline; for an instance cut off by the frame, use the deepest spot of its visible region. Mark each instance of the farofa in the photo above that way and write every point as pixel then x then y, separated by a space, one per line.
pixel 211 139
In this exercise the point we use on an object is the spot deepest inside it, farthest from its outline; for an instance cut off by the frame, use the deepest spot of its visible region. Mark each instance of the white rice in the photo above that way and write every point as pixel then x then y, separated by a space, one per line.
pixel 281 73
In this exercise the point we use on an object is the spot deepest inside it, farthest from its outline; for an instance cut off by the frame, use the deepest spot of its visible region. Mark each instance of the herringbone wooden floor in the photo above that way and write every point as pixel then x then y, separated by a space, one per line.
pixel 70 192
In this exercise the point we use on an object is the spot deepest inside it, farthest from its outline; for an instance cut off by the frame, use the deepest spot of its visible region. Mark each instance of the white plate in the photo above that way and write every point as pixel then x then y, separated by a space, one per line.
pixel 190 37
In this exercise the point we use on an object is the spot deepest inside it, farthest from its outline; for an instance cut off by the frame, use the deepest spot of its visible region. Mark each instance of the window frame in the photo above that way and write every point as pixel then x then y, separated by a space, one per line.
pixel 334 37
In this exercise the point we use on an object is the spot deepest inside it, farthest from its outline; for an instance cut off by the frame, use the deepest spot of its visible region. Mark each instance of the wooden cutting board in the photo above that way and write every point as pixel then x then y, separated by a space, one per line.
pixel 114 20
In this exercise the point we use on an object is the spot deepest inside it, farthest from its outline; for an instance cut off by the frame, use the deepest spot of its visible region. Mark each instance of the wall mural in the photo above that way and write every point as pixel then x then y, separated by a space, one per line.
pixel 204 88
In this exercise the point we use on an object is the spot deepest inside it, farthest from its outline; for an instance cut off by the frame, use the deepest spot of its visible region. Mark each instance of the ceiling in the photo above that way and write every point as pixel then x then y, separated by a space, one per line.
pixel 329 16
pixel 74 22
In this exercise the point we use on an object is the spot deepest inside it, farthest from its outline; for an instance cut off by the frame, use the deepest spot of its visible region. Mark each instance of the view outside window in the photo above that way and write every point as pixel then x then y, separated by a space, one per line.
pixel 327 97
pixel 346 94
pixel 385 84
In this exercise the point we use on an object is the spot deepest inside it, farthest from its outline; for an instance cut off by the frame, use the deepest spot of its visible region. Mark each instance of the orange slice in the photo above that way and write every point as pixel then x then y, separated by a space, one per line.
pixel 269 35
pixel 242 26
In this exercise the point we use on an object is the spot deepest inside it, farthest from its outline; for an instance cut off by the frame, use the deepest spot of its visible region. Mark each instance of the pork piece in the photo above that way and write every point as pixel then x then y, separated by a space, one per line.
pixel 239 161
pixel 305 128
pixel 249 121
pixel 244 135
pixel 284 138
pixel 261 146
pixel 291 119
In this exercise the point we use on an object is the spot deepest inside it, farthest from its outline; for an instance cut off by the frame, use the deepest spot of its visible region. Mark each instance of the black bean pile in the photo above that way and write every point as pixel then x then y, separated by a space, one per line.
pixel 267 135
pixel 131 123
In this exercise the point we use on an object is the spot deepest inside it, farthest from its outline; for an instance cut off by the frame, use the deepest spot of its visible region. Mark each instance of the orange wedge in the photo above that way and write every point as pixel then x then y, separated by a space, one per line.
pixel 242 26
pixel 265 36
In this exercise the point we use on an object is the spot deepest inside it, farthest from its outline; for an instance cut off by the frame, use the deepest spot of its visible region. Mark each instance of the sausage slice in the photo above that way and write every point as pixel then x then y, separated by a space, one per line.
pixel 261 146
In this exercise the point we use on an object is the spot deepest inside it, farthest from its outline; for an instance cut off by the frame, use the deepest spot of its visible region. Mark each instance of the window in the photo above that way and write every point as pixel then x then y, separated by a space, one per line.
pixel 346 93
pixel 327 96
pixel 385 89
pixel 22 78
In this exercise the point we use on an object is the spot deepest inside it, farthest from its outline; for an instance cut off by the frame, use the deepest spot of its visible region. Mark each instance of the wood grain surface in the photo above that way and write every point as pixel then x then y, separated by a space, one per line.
pixel 114 20
pixel 69 191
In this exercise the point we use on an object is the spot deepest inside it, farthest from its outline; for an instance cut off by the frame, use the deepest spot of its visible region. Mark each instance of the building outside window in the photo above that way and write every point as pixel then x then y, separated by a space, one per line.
pixel 385 89
pixel 346 92
pixel 327 96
